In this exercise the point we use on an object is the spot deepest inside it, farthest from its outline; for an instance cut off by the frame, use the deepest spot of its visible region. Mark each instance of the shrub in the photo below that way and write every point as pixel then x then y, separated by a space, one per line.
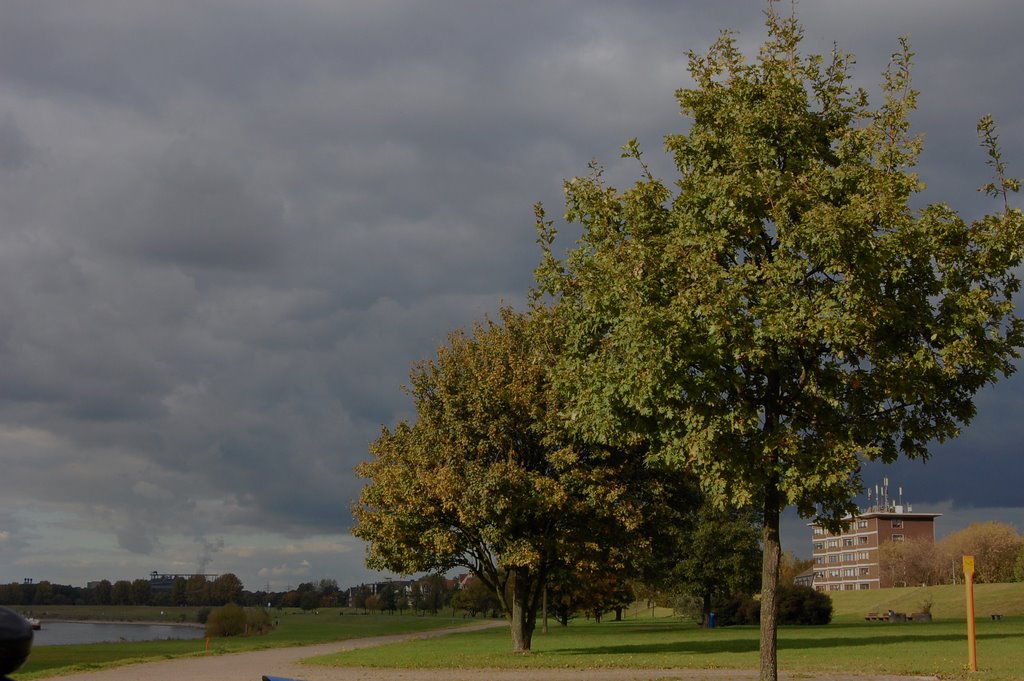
pixel 227 620
pixel 232 620
pixel 804 605
pixel 738 610
pixel 258 621
pixel 797 605
pixel 202 615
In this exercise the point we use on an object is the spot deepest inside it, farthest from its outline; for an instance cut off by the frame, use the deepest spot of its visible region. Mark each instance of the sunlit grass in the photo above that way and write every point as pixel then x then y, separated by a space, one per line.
pixel 647 639
pixel 937 648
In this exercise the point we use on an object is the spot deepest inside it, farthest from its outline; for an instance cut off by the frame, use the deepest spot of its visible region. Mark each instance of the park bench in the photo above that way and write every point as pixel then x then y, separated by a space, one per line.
pixel 876 617
pixel 997 617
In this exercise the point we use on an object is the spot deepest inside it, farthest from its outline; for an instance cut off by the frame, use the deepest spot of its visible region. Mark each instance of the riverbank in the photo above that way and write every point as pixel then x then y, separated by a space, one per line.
pixel 151 623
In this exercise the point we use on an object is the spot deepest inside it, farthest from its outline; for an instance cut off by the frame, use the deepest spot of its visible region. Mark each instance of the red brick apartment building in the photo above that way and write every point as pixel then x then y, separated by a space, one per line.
pixel 848 560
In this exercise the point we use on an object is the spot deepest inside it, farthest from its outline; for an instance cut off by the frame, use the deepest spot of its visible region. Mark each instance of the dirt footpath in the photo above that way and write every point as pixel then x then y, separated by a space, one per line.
pixel 285 662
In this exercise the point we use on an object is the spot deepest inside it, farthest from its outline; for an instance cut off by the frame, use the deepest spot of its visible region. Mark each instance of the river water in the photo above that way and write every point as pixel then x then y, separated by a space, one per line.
pixel 63 633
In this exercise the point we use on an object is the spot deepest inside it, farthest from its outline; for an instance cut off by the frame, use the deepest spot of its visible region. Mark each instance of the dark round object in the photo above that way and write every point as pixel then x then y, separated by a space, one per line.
pixel 15 640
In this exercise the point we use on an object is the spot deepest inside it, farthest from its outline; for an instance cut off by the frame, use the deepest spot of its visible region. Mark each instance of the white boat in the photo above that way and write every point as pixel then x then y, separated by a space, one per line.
pixel 34 623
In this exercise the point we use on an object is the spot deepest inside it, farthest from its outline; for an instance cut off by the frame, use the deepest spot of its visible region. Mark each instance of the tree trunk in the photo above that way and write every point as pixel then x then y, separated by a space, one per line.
pixel 770 587
pixel 524 611
pixel 705 615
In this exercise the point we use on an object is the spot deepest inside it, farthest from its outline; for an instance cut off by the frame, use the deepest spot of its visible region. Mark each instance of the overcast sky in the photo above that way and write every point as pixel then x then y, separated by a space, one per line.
pixel 227 230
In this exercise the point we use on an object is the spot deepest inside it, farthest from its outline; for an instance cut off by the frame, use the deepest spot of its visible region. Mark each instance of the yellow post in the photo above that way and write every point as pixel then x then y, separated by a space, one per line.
pixel 972 651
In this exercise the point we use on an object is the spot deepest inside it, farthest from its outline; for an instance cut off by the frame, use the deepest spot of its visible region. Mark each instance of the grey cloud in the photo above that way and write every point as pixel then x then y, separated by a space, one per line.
pixel 228 229
pixel 16 151
pixel 137 538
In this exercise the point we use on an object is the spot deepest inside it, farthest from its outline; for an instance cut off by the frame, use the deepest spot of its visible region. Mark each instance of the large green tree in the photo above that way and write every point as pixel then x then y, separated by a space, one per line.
pixel 486 479
pixel 779 314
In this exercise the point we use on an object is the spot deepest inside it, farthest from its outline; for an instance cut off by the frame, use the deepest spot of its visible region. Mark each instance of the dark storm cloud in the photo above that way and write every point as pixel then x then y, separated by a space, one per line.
pixel 191 213
pixel 227 229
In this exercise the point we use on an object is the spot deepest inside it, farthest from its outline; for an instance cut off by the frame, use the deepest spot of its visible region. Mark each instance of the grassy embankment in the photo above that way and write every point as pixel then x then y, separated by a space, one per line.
pixel 294 628
pixel 849 644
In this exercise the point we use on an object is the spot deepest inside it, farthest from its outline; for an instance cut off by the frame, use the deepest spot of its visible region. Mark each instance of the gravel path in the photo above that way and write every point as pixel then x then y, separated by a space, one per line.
pixel 285 662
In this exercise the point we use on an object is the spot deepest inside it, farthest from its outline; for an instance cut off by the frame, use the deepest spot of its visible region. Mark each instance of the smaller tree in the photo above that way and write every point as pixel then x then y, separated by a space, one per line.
pixel 402 600
pixel 179 591
pixel 141 592
pixel 121 592
pixel 435 593
pixel 911 563
pixel 102 592
pixel 387 599
pixel 994 545
pixel 487 479
pixel 359 597
pixel 790 567
pixel 197 591
pixel 719 556
pixel 309 597
pixel 329 592
pixel 475 597
pixel 227 588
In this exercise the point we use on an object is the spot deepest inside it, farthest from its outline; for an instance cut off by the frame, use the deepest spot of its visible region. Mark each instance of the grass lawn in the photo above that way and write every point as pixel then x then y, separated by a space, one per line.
pixel 938 648
pixel 294 628
pixel 647 639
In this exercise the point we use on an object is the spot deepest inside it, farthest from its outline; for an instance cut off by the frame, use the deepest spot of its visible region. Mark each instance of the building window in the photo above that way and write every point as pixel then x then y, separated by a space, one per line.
pixel 819 530
pixel 833 543
pixel 864 586
pixel 848 541
pixel 862 524
pixel 897 522
pixel 833 573
pixel 863 555
pixel 847 557
pixel 819 546
pixel 849 587
pixel 835 559
pixel 897 537
pixel 849 572
pixel 834 587
pixel 862 540
pixel 820 560
pixel 864 572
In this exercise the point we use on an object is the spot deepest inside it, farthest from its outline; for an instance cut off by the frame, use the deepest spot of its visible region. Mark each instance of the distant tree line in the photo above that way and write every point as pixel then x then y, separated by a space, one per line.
pixel 998 551
pixel 194 591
